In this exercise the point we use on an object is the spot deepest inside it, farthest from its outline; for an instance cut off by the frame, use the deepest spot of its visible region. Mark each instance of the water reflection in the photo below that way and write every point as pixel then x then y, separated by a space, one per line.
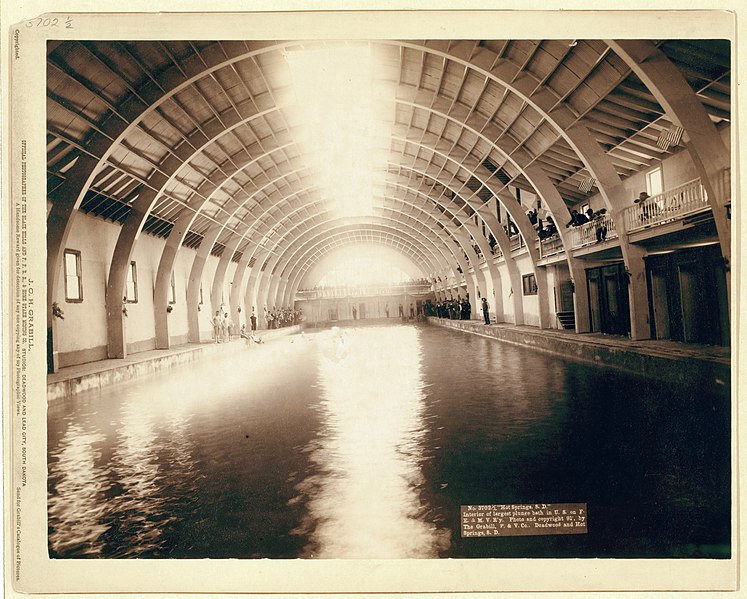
pixel 75 512
pixel 364 500
pixel 389 430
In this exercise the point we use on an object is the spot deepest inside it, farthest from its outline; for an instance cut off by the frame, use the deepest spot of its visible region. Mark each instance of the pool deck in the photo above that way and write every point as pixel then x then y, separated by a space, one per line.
pixel 70 381
pixel 704 365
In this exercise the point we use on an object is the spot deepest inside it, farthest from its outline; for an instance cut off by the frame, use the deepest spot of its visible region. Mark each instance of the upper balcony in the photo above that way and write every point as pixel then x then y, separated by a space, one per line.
pixel 600 229
pixel 671 205
pixel 657 215
pixel 653 217
pixel 420 287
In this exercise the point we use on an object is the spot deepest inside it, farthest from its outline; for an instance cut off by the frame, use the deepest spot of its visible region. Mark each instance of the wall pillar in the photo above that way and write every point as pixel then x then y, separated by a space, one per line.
pixel 194 283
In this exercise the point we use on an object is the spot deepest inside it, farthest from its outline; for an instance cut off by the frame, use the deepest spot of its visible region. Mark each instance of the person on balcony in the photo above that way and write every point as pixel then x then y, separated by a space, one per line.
pixel 598 219
pixel 577 219
pixel 649 209
pixel 550 228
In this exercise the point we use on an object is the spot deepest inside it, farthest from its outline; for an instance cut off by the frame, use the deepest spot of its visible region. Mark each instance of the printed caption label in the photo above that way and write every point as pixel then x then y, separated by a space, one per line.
pixel 508 520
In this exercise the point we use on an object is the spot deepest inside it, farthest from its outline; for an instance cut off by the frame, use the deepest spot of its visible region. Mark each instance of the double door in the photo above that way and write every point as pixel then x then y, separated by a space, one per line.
pixel 609 306
pixel 687 296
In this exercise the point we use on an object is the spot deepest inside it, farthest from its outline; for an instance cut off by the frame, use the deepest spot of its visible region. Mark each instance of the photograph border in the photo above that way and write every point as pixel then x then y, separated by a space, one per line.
pixel 25 525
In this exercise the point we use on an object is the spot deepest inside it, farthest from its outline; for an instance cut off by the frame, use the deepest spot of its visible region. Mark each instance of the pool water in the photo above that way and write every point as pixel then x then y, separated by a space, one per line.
pixel 364 443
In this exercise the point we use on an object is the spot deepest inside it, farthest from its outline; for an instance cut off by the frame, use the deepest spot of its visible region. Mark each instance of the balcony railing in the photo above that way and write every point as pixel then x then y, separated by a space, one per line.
pixel 586 234
pixel 365 290
pixel 668 206
pixel 551 246
pixel 516 242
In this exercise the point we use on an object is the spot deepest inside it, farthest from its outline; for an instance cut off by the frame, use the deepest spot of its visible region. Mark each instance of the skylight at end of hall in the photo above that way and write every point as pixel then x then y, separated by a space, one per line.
pixel 344 115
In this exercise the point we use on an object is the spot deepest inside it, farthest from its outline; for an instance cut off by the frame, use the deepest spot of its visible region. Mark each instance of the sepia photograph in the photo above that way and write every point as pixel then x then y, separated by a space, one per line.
pixel 338 294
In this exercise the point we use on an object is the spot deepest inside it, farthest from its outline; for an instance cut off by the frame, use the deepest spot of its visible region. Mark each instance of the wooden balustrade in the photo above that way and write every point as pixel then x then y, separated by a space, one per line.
pixel 670 205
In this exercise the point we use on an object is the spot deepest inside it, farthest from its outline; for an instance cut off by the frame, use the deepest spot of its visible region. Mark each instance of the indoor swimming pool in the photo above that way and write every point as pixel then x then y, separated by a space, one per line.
pixel 364 443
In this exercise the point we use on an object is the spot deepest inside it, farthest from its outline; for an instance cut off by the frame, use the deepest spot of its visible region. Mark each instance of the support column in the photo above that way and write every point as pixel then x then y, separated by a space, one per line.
pixel 543 298
pixel 640 328
pixel 580 296
pixel 237 285
pixel 194 283
pixel 471 292
pixel 280 293
pixel 116 284
pixel 272 292
pixel 220 274
pixel 161 294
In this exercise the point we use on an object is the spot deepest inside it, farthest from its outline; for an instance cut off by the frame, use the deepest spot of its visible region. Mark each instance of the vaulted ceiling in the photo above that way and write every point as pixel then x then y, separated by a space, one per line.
pixel 201 137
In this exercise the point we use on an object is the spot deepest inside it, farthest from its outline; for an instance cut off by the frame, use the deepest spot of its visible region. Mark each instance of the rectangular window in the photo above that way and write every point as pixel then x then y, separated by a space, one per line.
pixel 73 281
pixel 201 293
pixel 172 292
pixel 654 182
pixel 131 294
pixel 530 284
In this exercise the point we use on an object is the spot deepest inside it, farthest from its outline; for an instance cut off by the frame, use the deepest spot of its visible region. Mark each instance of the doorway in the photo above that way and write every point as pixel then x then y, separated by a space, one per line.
pixel 608 299
pixel 687 296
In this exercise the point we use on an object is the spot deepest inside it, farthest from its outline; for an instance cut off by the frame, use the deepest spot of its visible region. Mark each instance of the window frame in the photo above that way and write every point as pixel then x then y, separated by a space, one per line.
pixel 78 275
pixel 650 175
pixel 529 284
pixel 131 269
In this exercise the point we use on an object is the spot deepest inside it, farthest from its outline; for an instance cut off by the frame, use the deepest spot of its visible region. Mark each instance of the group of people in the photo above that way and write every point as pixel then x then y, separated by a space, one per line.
pixel 222 327
pixel 456 309
pixel 545 228
pixel 403 313
pixel 283 317
pixel 453 309
pixel 581 218
pixel 225 330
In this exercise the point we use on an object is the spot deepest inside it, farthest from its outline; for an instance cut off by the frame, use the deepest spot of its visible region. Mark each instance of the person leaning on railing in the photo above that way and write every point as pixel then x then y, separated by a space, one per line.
pixel 577 219
pixel 649 209
pixel 599 223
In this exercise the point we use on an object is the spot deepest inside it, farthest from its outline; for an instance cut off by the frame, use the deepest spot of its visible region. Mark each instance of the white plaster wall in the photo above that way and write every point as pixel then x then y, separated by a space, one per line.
pixel 552 282
pixel 84 325
pixel 178 322
pixel 508 306
pixel 531 302
pixel 208 309
pixel 140 322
